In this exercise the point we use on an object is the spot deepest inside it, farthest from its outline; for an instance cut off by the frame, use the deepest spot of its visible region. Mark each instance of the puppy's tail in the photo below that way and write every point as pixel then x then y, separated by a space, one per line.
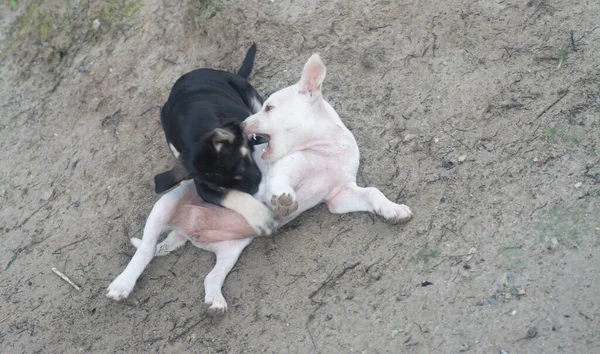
pixel 248 63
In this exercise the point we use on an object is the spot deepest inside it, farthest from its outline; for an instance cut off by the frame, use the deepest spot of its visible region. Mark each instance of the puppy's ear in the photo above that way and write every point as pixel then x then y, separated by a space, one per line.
pixel 313 75
pixel 220 137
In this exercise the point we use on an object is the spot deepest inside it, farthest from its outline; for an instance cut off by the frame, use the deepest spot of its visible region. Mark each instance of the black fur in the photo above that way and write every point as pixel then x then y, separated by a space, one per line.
pixel 169 179
pixel 201 121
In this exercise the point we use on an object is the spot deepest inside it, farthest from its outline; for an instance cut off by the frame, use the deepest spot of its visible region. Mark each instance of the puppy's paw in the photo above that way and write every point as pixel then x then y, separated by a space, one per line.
pixel 120 288
pixel 262 220
pixel 283 205
pixel 396 213
pixel 216 303
pixel 257 215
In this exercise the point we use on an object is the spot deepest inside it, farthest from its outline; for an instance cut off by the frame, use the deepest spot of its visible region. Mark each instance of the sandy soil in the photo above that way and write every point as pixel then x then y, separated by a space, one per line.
pixel 482 116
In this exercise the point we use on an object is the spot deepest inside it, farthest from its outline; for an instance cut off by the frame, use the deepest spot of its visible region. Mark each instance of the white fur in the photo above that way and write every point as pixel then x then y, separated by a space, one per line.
pixel 255 103
pixel 227 252
pixel 174 151
pixel 256 213
pixel 312 157
pixel 146 248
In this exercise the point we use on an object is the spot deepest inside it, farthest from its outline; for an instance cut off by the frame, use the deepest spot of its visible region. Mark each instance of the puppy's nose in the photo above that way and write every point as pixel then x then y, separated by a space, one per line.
pixel 243 125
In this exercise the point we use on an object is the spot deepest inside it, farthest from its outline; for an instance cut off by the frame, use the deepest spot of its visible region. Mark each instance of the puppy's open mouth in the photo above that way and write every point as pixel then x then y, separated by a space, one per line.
pixel 263 138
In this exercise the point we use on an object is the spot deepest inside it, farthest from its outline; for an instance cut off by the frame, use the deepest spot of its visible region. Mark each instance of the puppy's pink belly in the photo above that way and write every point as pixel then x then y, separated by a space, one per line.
pixel 206 223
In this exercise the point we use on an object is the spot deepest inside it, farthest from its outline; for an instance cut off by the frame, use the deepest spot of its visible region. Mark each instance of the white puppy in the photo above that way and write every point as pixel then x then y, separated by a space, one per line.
pixel 312 156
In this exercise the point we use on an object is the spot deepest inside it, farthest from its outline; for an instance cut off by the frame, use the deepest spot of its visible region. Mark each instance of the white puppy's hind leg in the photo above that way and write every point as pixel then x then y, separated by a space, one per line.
pixel 157 222
pixel 355 198
pixel 227 253
pixel 172 242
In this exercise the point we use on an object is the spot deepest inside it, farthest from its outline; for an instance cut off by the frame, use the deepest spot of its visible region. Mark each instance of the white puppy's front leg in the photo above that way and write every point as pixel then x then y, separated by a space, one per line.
pixel 354 198
pixel 281 195
pixel 227 253
pixel 157 221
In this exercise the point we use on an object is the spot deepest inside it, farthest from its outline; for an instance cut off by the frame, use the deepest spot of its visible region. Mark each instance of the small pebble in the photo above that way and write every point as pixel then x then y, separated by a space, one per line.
pixel 464 347
pixel 553 243
pixel 447 163
pixel 95 25
pixel 443 200
pixel 462 158
pixel 578 185
pixel 416 147
pixel 532 332
pixel 504 351
pixel 329 316
pixel 409 137
pixel 514 312
pixel 472 252
pixel 48 193
pixel 76 204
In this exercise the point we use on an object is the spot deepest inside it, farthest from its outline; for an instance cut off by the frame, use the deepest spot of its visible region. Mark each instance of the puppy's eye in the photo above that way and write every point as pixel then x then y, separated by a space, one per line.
pixel 269 108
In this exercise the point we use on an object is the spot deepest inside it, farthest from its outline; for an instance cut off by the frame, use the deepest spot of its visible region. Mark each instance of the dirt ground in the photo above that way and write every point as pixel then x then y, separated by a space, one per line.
pixel 482 116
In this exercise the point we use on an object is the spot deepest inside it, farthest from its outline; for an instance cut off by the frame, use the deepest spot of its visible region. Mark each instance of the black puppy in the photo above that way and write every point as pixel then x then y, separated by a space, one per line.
pixel 201 123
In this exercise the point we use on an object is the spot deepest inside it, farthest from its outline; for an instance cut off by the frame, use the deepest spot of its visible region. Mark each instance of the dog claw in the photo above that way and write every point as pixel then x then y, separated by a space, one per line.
pixel 283 205
pixel 216 304
pixel 268 228
pixel 397 214
pixel 119 289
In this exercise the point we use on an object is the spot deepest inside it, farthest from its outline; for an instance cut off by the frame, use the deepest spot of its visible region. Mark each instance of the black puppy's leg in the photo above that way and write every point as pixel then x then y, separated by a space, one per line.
pixel 258 215
pixel 167 180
